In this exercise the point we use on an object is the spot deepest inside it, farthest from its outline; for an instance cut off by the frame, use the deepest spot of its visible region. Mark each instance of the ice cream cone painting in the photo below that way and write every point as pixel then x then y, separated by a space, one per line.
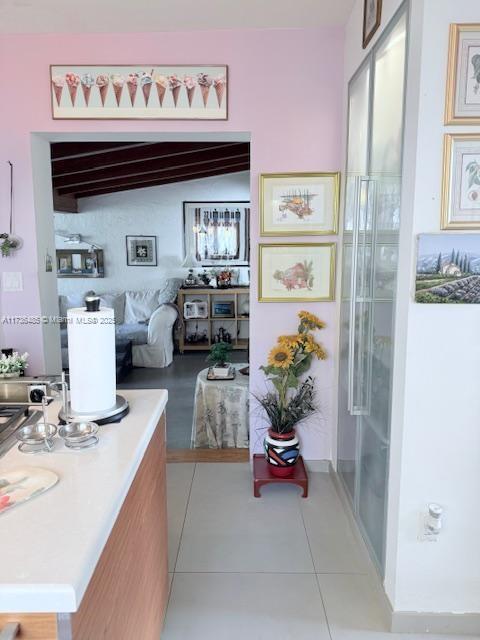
pixel 118 82
pixel 58 82
pixel 132 84
pixel 144 91
pixel 72 81
pixel 102 83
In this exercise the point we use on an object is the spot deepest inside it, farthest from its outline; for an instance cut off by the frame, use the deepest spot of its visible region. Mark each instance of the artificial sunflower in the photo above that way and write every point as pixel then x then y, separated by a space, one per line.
pixel 311 320
pixel 292 341
pixel 320 352
pixel 280 357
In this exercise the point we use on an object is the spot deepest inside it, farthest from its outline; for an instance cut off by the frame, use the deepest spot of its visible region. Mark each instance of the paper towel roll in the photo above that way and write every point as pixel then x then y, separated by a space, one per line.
pixel 91 357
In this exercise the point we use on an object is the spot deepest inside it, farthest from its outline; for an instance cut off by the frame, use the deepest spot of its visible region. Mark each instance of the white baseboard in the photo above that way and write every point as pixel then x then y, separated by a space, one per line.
pixel 318 466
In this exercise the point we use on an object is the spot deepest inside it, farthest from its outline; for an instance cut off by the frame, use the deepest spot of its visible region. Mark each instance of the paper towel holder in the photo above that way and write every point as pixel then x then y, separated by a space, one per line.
pixel 114 414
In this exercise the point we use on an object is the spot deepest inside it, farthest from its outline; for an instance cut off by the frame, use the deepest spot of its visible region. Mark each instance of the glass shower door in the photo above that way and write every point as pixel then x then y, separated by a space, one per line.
pixel 370 250
pixel 356 168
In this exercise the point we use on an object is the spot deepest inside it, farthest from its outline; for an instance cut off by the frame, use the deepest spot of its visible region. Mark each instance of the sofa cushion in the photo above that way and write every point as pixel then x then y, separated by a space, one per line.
pixel 169 292
pixel 115 301
pixel 72 301
pixel 139 305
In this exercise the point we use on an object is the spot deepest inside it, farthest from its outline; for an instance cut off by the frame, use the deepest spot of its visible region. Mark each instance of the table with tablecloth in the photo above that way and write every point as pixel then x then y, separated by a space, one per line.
pixel 220 414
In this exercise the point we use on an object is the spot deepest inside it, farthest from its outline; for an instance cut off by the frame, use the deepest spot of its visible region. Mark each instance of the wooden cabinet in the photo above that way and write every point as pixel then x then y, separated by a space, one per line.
pixel 127 595
pixel 237 324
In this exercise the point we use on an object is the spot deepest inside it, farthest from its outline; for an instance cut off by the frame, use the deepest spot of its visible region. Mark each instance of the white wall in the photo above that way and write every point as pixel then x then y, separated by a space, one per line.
pixel 435 439
pixel 441 438
pixel 107 219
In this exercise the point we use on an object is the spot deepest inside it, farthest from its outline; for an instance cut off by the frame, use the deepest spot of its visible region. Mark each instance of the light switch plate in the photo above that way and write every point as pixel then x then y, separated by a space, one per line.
pixel 12 281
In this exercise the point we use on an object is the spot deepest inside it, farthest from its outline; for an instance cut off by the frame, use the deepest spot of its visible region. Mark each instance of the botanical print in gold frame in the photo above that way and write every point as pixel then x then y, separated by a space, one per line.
pixel 299 204
pixel 148 91
pixel 303 272
pixel 461 182
pixel 372 18
pixel 462 105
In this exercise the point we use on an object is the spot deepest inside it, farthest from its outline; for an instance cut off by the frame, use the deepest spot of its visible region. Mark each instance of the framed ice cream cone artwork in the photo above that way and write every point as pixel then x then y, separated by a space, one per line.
pixel 463 82
pixel 157 92
pixel 303 272
pixel 298 204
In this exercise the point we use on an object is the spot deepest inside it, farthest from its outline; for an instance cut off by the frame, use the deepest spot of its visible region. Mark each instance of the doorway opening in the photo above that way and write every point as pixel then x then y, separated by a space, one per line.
pixel 160 230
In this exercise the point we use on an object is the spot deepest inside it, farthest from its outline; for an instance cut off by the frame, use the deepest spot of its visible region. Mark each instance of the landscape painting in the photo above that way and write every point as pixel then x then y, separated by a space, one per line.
pixel 448 269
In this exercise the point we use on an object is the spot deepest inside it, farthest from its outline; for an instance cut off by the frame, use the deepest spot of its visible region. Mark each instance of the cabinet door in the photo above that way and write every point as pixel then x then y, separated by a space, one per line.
pixel 385 174
pixel 358 134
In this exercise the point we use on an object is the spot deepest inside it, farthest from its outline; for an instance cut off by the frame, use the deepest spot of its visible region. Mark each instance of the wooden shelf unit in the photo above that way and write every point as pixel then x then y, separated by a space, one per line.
pixel 236 294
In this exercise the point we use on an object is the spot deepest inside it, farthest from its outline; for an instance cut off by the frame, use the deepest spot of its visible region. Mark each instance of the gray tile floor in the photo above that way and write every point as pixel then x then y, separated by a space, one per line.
pixel 179 378
pixel 278 567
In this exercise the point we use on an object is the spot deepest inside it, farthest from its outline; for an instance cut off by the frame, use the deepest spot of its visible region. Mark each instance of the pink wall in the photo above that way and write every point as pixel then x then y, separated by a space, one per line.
pixel 285 89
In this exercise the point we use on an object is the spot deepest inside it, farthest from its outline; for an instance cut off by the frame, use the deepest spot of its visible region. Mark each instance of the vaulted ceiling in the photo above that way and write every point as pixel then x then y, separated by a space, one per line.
pixel 83 169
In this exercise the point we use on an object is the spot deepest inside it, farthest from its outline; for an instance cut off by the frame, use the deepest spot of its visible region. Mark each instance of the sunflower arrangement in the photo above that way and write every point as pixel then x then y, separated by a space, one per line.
pixel 292 400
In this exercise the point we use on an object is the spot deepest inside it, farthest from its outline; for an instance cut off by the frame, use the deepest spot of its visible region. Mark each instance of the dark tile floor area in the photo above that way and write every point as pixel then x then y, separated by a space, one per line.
pixel 179 378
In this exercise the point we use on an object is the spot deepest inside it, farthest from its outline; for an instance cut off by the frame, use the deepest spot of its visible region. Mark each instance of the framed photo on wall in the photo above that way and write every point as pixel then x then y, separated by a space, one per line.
pixel 141 251
pixel 150 91
pixel 297 204
pixel 461 182
pixel 372 18
pixel 302 272
pixel 463 80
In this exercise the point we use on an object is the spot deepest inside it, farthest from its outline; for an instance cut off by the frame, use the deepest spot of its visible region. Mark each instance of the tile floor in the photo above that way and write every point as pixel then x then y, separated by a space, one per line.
pixel 278 567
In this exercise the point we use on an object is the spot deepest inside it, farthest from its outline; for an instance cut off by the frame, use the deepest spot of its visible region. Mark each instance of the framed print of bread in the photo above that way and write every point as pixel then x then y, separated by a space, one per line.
pixel 463 79
pixel 158 92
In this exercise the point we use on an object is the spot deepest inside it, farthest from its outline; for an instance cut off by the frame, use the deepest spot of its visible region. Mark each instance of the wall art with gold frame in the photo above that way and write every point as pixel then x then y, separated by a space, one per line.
pixel 302 272
pixel 299 204
pixel 461 182
pixel 463 79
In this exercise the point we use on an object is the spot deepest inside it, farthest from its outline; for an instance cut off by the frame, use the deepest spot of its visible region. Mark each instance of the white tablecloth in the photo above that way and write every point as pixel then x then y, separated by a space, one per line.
pixel 220 414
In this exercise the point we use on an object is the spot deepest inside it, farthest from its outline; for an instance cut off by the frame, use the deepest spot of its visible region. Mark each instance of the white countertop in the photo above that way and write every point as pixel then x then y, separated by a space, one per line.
pixel 50 545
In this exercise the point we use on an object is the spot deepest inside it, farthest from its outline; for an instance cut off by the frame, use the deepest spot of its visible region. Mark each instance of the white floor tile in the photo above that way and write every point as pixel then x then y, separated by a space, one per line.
pixel 179 480
pixel 237 606
pixel 353 610
pixel 227 529
pixel 332 543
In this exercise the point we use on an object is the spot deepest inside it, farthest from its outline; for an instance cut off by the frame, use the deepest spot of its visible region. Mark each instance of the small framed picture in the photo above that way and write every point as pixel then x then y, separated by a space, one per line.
pixel 303 272
pixel 463 80
pixel 141 251
pixel 461 182
pixel 223 309
pixel 296 204
pixel 372 18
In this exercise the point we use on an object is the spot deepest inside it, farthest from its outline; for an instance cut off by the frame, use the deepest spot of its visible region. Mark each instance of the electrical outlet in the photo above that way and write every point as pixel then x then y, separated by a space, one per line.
pixel 424 533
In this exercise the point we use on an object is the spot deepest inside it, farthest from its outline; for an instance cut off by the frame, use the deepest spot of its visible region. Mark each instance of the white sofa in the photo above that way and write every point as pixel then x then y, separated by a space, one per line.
pixel 145 317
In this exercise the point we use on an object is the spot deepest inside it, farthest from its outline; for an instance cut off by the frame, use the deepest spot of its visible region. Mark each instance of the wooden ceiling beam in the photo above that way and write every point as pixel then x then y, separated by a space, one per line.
pixel 69 150
pixel 138 153
pixel 161 181
pixel 65 203
pixel 204 162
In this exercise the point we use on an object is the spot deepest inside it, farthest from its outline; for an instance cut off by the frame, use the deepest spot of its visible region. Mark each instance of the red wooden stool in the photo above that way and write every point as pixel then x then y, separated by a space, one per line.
pixel 262 475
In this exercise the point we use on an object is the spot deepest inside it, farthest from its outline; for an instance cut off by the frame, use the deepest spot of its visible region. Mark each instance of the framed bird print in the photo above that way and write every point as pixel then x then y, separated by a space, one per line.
pixel 463 81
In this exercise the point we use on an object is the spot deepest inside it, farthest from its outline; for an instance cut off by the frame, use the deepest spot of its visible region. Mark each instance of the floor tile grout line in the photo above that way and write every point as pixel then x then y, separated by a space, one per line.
pixel 184 518
pixel 316 575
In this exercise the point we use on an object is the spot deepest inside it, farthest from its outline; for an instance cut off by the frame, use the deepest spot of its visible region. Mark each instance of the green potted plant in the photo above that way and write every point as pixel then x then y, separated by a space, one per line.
pixel 292 398
pixel 13 366
pixel 218 358
pixel 7 244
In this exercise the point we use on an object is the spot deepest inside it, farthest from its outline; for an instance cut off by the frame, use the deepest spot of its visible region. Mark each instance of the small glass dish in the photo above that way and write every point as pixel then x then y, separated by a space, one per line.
pixel 36 437
pixel 79 435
